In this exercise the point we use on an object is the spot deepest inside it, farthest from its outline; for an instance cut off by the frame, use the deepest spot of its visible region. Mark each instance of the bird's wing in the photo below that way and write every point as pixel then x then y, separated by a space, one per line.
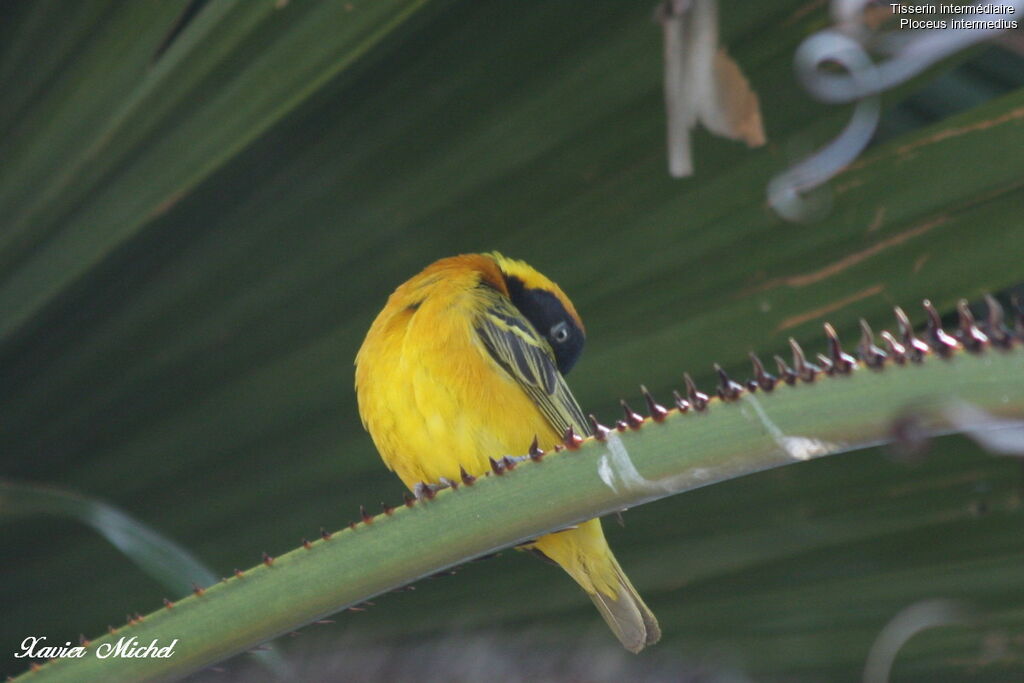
pixel 515 345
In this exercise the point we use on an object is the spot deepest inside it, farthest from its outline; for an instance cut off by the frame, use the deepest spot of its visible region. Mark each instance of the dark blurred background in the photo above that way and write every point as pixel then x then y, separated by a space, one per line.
pixel 203 205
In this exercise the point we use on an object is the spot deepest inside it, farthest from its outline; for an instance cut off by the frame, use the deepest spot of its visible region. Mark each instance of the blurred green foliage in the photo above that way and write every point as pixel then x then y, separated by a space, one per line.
pixel 192 245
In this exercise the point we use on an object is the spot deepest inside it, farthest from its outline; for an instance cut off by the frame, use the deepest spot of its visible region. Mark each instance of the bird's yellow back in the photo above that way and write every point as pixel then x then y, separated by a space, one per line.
pixel 430 395
pixel 464 364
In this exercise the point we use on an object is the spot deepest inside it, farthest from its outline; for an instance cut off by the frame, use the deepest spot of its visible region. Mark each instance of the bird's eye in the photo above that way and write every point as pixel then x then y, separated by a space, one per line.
pixel 560 332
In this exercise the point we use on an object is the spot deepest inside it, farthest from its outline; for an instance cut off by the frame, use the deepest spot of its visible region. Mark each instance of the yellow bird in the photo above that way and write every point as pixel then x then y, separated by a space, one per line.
pixel 466 362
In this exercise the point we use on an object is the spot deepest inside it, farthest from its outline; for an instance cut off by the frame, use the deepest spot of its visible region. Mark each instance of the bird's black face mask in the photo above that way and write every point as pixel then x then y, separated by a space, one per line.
pixel 549 317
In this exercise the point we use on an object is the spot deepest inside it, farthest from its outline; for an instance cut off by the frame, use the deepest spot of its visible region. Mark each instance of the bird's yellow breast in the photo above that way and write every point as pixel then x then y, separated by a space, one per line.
pixel 430 395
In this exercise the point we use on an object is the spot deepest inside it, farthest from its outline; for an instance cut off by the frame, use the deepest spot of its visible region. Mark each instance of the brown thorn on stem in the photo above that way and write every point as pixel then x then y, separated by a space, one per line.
pixel 268 559
pixel 536 452
pixel 387 509
pixel 762 380
pixel 869 354
pixel 825 363
pixel 465 476
pixel 168 604
pixel 85 642
pixel 682 405
pixel 365 516
pixel 828 366
pixel 620 425
pixel 306 544
pixel 448 483
pixel 496 467
pixel 424 491
pixel 656 410
pixel 508 463
pixel 698 399
pixel 968 333
pixel 897 351
pixel 728 390
pixel 558 448
pixel 842 362
pixel 325 534
pixel 914 349
pixel 634 420
pixel 600 431
pixel 111 630
pixel 198 590
pixel 571 439
pixel 942 343
pixel 786 373
pixel 408 500
pixel 239 574
pixel 805 370
pixel 995 327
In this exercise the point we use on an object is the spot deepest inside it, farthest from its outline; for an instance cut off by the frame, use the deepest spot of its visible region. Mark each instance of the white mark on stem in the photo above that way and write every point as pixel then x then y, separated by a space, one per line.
pixel 624 467
pixel 604 470
pixel 618 471
pixel 797 447
pixel 1001 436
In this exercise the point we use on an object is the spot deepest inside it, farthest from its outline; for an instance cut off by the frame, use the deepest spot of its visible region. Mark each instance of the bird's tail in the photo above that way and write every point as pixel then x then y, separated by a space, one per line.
pixel 583 552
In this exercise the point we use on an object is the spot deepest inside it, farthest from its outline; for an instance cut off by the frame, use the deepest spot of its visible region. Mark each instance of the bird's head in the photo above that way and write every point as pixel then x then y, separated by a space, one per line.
pixel 546 306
